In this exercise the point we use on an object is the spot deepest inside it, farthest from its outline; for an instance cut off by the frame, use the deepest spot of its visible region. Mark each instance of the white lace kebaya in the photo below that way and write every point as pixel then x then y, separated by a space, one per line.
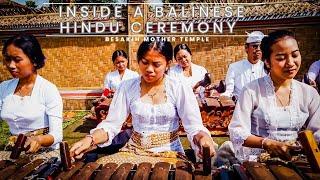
pixel 257 113
pixel 198 73
pixel 113 79
pixel 152 119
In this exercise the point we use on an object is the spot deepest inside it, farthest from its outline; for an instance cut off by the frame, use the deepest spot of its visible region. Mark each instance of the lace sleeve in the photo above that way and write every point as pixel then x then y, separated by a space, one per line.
pixel 314 114
pixel 240 125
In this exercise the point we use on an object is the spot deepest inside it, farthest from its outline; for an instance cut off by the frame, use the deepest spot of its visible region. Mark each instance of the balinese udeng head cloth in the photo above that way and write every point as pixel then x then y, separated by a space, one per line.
pixel 255 36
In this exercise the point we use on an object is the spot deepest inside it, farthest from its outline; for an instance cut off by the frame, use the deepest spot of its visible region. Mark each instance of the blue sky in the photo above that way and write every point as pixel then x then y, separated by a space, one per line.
pixel 38 2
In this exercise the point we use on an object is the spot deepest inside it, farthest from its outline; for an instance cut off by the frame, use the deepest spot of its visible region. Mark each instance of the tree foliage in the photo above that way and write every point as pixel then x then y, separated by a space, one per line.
pixel 31 4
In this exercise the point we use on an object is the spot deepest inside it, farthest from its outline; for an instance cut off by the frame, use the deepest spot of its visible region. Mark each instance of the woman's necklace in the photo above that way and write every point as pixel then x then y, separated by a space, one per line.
pixel 187 72
pixel 151 95
pixel 20 94
pixel 284 105
pixel 28 86
pixel 27 92
pixel 155 92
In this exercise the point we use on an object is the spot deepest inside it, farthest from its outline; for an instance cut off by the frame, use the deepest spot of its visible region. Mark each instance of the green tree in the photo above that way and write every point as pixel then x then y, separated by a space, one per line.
pixel 31 4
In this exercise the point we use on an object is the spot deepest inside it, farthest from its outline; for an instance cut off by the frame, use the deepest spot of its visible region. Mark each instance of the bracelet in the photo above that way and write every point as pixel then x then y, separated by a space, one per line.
pixel 263 141
pixel 92 141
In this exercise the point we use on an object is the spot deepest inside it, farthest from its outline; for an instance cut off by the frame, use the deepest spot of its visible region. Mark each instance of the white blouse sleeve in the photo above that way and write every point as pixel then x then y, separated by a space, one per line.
pixel 106 83
pixel 117 114
pixel 240 125
pixel 314 70
pixel 203 71
pixel 229 82
pixel 54 108
pixel 135 74
pixel 314 114
pixel 172 71
pixel 189 113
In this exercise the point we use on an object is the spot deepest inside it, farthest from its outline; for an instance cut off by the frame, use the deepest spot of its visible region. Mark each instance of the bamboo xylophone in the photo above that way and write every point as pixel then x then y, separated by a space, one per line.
pixel 161 170
pixel 53 168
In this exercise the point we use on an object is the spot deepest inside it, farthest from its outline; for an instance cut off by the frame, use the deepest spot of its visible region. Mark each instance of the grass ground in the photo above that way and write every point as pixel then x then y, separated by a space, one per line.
pixel 75 128
pixel 4 134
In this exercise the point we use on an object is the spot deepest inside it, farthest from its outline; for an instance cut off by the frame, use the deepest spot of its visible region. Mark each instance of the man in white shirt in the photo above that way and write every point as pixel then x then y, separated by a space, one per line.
pixel 314 74
pixel 245 71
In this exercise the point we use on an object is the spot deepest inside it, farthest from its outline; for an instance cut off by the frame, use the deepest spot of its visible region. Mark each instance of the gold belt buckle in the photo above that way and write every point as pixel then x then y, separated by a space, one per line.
pixel 146 141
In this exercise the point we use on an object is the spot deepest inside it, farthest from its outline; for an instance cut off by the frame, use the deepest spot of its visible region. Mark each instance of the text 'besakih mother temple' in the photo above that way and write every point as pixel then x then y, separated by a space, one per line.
pixel 78 64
